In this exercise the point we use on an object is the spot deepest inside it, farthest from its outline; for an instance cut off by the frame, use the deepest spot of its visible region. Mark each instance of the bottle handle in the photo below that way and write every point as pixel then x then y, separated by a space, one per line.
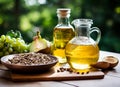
pixel 96 29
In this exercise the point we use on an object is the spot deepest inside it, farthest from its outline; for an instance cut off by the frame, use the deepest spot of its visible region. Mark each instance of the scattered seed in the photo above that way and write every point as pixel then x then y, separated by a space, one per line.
pixel 87 72
pixel 58 70
pixel 77 72
pixel 82 73
pixel 70 70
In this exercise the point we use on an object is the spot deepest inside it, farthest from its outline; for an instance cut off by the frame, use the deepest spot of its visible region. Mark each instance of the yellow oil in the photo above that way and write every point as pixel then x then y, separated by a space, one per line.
pixel 81 56
pixel 61 36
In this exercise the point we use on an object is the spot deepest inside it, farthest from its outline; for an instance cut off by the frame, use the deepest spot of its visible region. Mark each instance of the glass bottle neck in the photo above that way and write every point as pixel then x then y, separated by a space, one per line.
pixel 63 20
pixel 83 31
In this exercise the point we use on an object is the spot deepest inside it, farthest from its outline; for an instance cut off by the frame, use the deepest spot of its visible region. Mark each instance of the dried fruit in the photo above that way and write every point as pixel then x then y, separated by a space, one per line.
pixel 113 61
pixel 101 65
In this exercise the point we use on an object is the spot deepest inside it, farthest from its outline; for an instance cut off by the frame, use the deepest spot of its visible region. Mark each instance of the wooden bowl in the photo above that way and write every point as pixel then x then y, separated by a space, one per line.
pixel 27 68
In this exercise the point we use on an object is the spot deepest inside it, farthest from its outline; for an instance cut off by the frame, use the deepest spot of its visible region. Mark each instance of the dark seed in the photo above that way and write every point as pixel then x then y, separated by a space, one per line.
pixel 58 70
pixel 82 73
pixel 77 73
pixel 87 72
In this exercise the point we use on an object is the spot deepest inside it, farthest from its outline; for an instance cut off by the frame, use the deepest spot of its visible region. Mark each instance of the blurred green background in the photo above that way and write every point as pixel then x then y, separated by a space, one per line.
pixel 28 16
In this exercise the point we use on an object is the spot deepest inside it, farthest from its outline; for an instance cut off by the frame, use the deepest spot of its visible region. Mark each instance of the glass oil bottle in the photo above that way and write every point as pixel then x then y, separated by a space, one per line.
pixel 63 32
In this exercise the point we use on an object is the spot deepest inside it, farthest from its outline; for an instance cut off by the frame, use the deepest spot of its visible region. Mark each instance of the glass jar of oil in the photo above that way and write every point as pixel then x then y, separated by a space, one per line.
pixel 63 32
pixel 82 50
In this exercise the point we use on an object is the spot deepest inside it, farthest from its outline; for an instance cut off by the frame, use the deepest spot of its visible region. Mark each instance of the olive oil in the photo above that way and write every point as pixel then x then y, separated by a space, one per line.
pixel 61 36
pixel 82 51
pixel 80 56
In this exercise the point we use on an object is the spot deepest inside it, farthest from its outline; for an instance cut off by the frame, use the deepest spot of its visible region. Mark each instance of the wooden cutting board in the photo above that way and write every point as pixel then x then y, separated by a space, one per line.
pixel 53 75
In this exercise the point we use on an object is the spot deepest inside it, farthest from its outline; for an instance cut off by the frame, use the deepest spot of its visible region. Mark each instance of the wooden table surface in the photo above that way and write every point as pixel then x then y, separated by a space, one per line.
pixel 111 79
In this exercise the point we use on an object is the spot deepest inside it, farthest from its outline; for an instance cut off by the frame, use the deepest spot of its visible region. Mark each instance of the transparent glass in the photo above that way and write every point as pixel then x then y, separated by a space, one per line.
pixel 82 50
pixel 63 32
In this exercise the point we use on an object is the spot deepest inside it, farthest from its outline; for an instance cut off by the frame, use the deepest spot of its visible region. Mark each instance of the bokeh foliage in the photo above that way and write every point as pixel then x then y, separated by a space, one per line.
pixel 28 16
